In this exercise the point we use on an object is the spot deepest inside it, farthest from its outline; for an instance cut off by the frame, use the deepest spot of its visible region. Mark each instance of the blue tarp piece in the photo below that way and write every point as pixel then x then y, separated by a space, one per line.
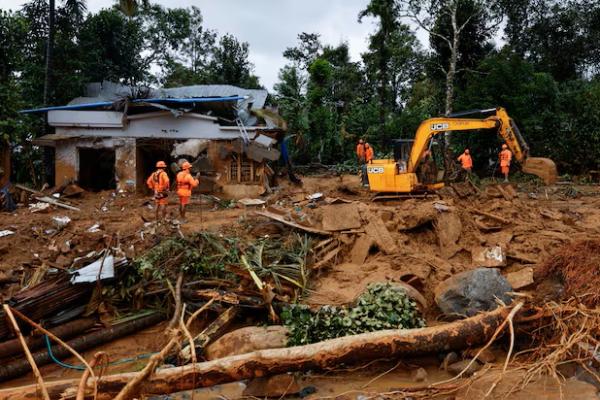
pixel 284 150
pixel 86 106
pixel 9 204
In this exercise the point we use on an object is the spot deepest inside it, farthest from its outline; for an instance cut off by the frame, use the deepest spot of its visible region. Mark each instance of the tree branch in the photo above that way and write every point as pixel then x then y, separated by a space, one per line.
pixel 428 30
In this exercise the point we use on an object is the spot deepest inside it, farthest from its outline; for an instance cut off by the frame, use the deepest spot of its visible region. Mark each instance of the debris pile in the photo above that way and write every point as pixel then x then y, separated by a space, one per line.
pixel 341 279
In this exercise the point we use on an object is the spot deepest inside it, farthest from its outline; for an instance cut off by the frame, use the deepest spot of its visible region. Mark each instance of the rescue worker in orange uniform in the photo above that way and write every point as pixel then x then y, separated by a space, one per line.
pixel 505 159
pixel 368 153
pixel 360 151
pixel 185 183
pixel 360 155
pixel 159 183
pixel 466 161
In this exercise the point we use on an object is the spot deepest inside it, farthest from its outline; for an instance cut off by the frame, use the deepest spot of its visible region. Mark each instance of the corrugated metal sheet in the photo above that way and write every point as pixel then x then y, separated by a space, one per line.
pixel 110 91
pixel 258 96
pixel 151 101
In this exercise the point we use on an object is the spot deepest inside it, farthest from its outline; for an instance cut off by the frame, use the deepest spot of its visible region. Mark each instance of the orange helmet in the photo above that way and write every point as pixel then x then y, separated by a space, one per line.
pixel 186 165
pixel 504 147
pixel 161 164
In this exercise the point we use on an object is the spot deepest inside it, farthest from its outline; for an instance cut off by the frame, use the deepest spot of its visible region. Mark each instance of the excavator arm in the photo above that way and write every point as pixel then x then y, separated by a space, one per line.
pixel 506 128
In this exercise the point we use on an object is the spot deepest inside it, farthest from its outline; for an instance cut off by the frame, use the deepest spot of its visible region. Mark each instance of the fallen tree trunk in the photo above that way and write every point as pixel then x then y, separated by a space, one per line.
pixel 331 353
pixel 65 331
pixel 13 369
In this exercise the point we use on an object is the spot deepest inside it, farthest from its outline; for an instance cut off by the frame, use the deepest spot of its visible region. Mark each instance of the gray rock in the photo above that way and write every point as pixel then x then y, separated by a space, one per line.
pixel 460 366
pixel 450 358
pixel 419 375
pixel 471 292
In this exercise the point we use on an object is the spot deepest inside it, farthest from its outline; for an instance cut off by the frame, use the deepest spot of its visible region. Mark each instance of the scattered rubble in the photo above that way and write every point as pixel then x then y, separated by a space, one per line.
pixel 314 249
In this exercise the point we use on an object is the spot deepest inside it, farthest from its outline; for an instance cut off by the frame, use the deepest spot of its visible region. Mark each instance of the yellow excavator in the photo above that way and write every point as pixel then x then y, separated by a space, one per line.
pixel 407 172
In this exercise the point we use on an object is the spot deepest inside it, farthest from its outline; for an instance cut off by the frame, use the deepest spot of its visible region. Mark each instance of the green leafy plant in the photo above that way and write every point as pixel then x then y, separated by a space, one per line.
pixel 382 306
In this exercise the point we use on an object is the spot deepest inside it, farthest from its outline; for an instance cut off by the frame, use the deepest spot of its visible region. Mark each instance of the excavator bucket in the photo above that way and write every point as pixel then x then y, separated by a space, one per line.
pixel 542 167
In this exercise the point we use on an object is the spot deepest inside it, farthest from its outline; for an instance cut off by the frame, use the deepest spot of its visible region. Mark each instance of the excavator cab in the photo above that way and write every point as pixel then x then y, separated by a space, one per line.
pixel 402 148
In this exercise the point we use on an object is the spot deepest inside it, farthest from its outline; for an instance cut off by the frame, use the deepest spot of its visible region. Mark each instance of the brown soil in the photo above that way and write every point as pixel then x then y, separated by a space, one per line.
pixel 429 245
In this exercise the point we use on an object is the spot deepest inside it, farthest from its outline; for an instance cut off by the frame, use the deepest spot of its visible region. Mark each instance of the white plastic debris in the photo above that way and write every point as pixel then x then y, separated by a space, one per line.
pixel 56 195
pixel 315 196
pixel 37 207
pixel 90 273
pixel 61 222
pixel 441 206
pixel 6 232
pixel 94 228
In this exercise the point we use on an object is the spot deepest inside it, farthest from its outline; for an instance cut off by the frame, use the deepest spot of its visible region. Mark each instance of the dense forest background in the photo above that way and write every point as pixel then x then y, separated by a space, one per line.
pixel 540 59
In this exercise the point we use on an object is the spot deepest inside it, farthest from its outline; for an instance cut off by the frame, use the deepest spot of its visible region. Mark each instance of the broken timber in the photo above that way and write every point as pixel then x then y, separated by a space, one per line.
pixel 212 332
pixel 50 200
pixel 331 353
pixel 281 219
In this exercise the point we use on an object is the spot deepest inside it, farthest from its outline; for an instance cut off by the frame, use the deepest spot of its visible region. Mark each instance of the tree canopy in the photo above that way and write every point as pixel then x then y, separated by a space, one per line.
pixel 540 59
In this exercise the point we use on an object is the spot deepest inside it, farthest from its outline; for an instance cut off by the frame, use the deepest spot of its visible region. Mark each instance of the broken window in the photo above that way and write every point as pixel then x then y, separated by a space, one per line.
pixel 242 169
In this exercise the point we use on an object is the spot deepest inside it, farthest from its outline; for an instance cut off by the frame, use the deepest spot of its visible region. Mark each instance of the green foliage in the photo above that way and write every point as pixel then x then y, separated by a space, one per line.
pixel 277 262
pixel 382 306
pixel 203 255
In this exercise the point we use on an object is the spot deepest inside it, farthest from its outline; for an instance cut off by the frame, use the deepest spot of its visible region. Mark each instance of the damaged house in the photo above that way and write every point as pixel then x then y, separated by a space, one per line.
pixel 112 138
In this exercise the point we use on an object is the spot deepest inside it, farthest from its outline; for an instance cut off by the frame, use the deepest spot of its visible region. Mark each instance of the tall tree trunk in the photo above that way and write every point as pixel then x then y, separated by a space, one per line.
pixel 383 81
pixel 452 64
pixel 49 52
pixel 48 173
pixel 450 75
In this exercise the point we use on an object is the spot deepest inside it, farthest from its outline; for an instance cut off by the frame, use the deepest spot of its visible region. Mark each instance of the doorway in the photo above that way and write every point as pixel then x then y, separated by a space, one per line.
pixel 97 169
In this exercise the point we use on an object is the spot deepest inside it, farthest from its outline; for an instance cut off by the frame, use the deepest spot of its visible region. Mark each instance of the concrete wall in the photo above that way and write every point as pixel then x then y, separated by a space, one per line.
pixel 67 160
pixel 125 165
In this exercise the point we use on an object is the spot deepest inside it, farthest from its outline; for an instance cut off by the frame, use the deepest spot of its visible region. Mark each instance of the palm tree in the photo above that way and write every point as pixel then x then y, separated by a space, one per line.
pixel 76 8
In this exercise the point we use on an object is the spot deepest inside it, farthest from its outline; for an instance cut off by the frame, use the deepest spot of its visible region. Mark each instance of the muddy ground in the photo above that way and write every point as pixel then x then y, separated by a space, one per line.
pixel 433 238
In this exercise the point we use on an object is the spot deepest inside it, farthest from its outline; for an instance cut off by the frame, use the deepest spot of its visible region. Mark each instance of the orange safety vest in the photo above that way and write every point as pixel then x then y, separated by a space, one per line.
pixel 369 154
pixel 466 161
pixel 505 157
pixel 185 183
pixel 159 182
pixel 360 151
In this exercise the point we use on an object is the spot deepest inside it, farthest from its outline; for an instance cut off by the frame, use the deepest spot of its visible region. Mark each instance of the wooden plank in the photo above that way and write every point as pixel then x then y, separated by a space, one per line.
pixel 377 230
pixel 25 188
pixel 50 200
pixel 281 219
pixel 210 333
pixel 491 216
pixel 328 257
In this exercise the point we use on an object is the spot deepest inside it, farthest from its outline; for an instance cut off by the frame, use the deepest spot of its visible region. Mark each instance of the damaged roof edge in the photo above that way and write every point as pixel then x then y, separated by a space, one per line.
pixel 151 100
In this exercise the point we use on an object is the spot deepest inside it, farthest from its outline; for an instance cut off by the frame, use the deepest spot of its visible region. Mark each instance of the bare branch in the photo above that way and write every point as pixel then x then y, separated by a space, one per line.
pixel 421 24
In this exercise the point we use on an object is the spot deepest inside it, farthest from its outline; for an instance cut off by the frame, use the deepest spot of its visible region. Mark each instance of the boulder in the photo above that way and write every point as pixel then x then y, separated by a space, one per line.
pixel 272 386
pixel 471 292
pixel 464 365
pixel 247 340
